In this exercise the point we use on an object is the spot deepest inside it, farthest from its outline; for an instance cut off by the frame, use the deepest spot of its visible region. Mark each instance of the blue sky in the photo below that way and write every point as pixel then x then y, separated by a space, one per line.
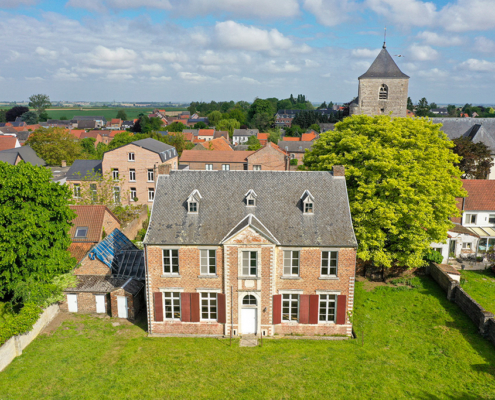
pixel 185 50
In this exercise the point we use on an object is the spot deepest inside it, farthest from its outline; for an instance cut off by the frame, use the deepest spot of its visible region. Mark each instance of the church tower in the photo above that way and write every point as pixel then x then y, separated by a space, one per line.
pixel 382 89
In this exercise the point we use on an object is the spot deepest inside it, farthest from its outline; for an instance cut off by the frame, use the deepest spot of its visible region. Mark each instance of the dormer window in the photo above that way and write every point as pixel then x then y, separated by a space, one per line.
pixel 193 202
pixel 383 94
pixel 251 198
pixel 307 202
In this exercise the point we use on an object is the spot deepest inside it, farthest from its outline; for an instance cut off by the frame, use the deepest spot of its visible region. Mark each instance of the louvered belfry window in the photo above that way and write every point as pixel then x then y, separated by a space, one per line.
pixel 383 95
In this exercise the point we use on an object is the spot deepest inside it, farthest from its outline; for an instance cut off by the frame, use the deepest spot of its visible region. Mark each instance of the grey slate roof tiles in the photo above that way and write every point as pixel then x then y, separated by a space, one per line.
pixel 278 208
pixel 384 67
pixel 165 151
pixel 26 153
pixel 81 169
pixel 477 129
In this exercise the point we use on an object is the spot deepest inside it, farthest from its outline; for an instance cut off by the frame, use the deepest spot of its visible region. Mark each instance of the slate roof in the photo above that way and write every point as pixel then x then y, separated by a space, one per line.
pixel 278 207
pixel 92 218
pixel 165 151
pixel 227 156
pixel 22 136
pixel 477 129
pixel 81 169
pixel 246 132
pixel 105 284
pixel 384 67
pixel 295 147
pixel 26 153
pixel 8 157
pixel 481 195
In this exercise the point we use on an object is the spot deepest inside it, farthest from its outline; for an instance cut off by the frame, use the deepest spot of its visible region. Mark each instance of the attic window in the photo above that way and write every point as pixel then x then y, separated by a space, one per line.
pixel 383 94
pixel 193 202
pixel 193 207
pixel 81 232
pixel 251 198
pixel 307 202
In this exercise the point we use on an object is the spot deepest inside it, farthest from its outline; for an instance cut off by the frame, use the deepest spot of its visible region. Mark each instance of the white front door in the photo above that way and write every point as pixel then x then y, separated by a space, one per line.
pixel 122 306
pixel 248 320
pixel 100 303
pixel 72 302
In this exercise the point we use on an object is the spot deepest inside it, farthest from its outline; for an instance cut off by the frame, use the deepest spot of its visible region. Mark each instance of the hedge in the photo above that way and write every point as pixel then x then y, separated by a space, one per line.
pixel 16 324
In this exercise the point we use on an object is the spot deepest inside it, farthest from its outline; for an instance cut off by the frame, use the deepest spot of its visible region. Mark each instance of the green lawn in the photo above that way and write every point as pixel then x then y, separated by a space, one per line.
pixel 481 287
pixel 108 113
pixel 417 345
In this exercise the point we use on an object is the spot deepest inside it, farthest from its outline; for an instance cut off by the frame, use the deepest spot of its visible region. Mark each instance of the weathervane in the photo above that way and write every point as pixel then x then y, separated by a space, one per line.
pixel 385 38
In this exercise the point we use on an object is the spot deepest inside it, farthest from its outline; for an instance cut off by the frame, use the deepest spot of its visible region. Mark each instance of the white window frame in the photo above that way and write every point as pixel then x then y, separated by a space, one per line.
pixel 491 218
pixel 329 267
pixel 174 298
pixel 469 219
pixel 189 207
pixel 326 303
pixel 77 191
pixel 169 253
pixel 151 194
pixel 115 174
pixel 225 167
pixel 208 167
pixel 467 245
pixel 132 175
pixel 249 259
pixel 308 207
pixel 116 193
pixel 205 262
pixel 208 297
pixel 257 167
pixel 93 188
pixel 77 230
pixel 131 157
pixel 132 191
pixel 151 173
pixel 291 262
pixel 291 298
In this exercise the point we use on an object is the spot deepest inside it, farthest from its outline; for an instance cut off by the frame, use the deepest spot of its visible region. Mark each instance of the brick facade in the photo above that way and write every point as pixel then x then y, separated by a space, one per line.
pixel 269 158
pixel 217 166
pixel 92 267
pixel 268 282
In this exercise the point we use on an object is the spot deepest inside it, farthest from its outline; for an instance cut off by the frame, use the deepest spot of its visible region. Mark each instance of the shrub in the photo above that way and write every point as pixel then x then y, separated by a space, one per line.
pixel 16 324
pixel 294 161
pixel 433 256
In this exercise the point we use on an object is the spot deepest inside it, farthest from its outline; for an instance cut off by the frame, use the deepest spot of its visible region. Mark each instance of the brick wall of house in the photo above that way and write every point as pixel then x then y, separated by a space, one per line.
pixel 144 160
pixel 201 166
pixel 110 223
pixel 269 158
pixel 92 267
pixel 133 306
pixel 86 303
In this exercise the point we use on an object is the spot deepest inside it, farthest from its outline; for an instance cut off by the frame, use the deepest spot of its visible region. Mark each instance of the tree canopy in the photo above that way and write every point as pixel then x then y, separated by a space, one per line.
pixel 15 112
pixel 476 159
pixel 30 117
pixel 122 115
pixel 54 145
pixel 402 184
pixel 228 125
pixel 34 224
pixel 40 102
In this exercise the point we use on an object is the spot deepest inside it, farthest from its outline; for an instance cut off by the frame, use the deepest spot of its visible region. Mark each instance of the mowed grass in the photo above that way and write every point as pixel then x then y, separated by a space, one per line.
pixel 416 345
pixel 480 285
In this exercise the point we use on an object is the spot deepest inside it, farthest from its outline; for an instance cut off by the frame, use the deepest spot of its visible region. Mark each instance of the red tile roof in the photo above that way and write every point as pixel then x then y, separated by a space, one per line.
pixel 481 195
pixel 308 137
pixel 206 132
pixel 7 142
pixel 79 250
pixel 292 139
pixel 116 121
pixel 27 127
pixel 220 144
pixel 113 133
pixel 93 134
pixel 215 156
pixel 92 218
pixel 262 136
pixel 77 132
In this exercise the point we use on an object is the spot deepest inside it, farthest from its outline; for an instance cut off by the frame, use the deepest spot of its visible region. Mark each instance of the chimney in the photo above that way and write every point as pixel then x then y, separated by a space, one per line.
pixel 63 163
pixel 164 169
pixel 338 170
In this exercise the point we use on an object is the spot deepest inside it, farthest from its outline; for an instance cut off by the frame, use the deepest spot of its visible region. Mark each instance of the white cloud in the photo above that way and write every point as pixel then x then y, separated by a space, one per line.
pixel 192 77
pixel 365 53
pixel 250 81
pixel 104 57
pixel 329 12
pixel 484 45
pixel 119 77
pixel 65 74
pixel 17 3
pixel 160 78
pixel 468 15
pixel 311 64
pixel 90 5
pixel 478 65
pixel 404 12
pixel 361 66
pixel 127 4
pixel 274 66
pixel 170 56
pixel 433 74
pixel 434 39
pixel 34 78
pixel 152 68
pixel 422 53
pixel 42 52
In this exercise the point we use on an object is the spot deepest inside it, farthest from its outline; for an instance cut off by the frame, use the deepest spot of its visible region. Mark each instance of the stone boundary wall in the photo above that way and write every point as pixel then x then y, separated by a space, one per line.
pixel 133 227
pixel 484 320
pixel 13 347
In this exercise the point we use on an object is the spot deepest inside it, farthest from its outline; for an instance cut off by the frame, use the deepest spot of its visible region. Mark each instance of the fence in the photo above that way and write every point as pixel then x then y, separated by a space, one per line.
pixel 14 346
pixel 484 320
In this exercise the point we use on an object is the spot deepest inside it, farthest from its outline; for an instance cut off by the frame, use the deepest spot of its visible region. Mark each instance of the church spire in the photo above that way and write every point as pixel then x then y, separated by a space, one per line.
pixel 385 39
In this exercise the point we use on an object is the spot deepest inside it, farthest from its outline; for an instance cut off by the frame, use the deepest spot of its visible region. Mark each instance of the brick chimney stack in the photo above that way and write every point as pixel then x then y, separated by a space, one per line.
pixel 164 169
pixel 338 170
pixel 63 163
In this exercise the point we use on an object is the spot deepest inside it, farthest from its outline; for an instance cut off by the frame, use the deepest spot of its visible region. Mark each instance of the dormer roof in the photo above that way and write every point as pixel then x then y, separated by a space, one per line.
pixel 384 67
pixel 254 223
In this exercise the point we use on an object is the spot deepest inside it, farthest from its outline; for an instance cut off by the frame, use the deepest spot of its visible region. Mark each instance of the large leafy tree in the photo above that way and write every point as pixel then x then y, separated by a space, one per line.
pixel 40 102
pixel 34 224
pixel 214 117
pixel 122 115
pixel 401 180
pixel 30 118
pixel 423 108
pixel 476 159
pixel 54 145
pixel 15 112
pixel 228 125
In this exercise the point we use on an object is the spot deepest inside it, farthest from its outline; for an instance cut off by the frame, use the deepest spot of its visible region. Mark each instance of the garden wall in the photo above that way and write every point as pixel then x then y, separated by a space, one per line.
pixel 133 227
pixel 14 346
pixel 484 320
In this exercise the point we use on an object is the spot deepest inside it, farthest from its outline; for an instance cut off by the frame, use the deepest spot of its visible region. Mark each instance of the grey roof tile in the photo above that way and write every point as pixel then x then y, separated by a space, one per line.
pixel 81 169
pixel 384 67
pixel 26 153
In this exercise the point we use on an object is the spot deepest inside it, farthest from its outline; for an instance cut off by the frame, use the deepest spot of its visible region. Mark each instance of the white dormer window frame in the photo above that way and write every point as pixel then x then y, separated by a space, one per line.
pixel 251 198
pixel 193 202
pixel 308 203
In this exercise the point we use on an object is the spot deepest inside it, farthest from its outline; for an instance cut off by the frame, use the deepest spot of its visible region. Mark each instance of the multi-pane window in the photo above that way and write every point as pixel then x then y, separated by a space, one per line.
pixel 133 193
pixel 131 157
pixel 208 306
pixel 151 175
pixel 256 167
pixel 467 245
pixel 491 218
pixel 291 262
pixel 193 207
pixel 249 263
pixel 329 261
pixel 209 167
pixel 151 194
pixel 327 307
pixel 77 190
pixel 485 244
pixel 116 194
pixel 290 306
pixel 115 174
pixel 470 218
pixel 171 307
pixel 93 191
pixel 225 167
pixel 171 261
pixel 251 202
pixel 132 175
pixel 308 208
pixel 208 262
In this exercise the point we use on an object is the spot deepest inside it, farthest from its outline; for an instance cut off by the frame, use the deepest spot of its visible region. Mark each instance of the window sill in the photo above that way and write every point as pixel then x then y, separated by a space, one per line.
pixel 208 276
pixel 294 278
pixel 149 181
pixel 290 322
pixel 171 276
pixel 329 278
pixel 252 278
pixel 132 181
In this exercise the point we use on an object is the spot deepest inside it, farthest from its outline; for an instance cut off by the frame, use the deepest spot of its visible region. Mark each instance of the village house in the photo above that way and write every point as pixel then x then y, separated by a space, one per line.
pixel 241 136
pixel 296 149
pixel 280 259
pixel 24 153
pixel 215 144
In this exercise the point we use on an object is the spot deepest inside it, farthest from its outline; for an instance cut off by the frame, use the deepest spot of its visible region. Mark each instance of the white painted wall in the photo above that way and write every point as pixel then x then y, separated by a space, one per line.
pixel 482 219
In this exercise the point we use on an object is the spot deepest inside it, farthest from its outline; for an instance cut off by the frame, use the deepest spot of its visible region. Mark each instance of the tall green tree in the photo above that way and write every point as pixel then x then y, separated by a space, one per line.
pixel 452 110
pixel 54 145
pixel 410 105
pixel 175 127
pixel 228 125
pixel 15 112
pixel 30 118
pixel 422 109
pixel 260 106
pixel 253 143
pixel 34 224
pixel 402 184
pixel 475 158
pixel 122 115
pixel 40 102
pixel 214 117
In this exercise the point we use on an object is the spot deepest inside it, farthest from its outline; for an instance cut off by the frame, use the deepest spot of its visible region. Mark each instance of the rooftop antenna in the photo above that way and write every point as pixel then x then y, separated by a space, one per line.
pixel 385 38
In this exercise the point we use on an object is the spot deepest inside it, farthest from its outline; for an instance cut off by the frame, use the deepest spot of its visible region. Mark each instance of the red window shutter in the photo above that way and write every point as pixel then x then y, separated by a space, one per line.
pixel 277 309
pixel 185 307
pixel 195 307
pixel 341 307
pixel 158 306
pixel 314 308
pixel 222 318
pixel 304 309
